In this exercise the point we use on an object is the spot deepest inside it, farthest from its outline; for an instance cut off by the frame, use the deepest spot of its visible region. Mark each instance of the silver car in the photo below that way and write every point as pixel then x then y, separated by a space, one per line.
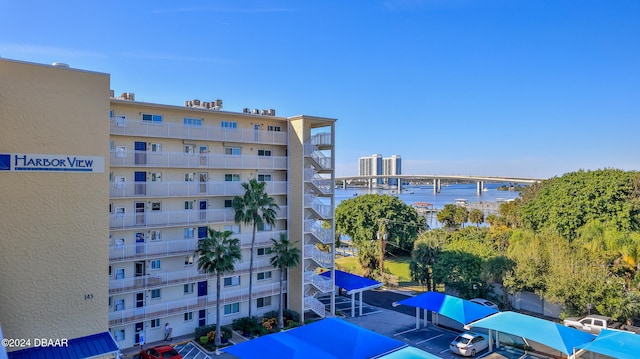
pixel 469 344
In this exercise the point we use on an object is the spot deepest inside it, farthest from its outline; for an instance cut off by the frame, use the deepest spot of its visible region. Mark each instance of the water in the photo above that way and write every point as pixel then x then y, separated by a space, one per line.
pixel 487 201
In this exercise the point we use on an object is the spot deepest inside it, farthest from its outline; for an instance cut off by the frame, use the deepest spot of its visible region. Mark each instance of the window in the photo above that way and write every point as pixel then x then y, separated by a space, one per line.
pixel 264 178
pixel 119 242
pixel 264 275
pixel 155 176
pixel 229 125
pixel 232 151
pixel 119 305
pixel 264 227
pixel 188 288
pixel 156 147
pixel 231 308
pixel 188 205
pixel 120 273
pixel 189 232
pixel 155 206
pixel 190 177
pixel 155 264
pixel 154 235
pixel 193 122
pixel 274 128
pixel 119 335
pixel 147 117
pixel 155 293
pixel 228 203
pixel 231 177
pixel 155 323
pixel 110 271
pixel 121 151
pixel 234 228
pixel 264 251
pixel 232 281
pixel 264 302
pixel 188 316
pixel 189 148
pixel 188 260
pixel 264 152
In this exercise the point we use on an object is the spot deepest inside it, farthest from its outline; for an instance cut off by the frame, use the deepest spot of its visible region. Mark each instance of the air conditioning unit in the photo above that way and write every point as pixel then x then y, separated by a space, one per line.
pixel 196 102
pixel 219 103
pixel 188 103
pixel 246 110
pixel 263 112
pixel 256 111
pixel 271 112
pixel 206 104
pixel 132 96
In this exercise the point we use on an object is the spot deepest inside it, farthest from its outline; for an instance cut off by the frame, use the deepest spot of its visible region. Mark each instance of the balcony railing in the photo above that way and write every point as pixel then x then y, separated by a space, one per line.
pixel 324 284
pixel 315 228
pixel 157 219
pixel 150 281
pixel 314 305
pixel 185 189
pixel 164 309
pixel 321 139
pixel 129 127
pixel 324 259
pixel 324 185
pixel 325 211
pixel 195 160
pixel 166 248
pixel 312 151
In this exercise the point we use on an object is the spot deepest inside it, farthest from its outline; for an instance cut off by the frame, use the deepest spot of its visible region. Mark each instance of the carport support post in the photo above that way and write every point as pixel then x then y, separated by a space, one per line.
pixel 426 319
pixel 360 304
pixel 353 305
pixel 417 318
pixel 490 340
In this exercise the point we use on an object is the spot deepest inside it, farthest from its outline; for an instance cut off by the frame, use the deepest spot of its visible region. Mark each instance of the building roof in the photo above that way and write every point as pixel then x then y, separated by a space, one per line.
pixel 78 348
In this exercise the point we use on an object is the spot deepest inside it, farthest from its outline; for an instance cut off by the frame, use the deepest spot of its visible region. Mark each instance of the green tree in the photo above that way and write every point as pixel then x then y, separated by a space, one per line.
pixel 446 216
pixel 423 256
pixel 476 217
pixel 254 208
pixel 286 255
pixel 531 258
pixel 361 219
pixel 461 216
pixel 218 253
pixel 460 271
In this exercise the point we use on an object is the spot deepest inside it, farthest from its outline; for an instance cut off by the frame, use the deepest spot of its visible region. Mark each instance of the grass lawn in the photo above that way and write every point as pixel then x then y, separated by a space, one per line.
pixel 398 267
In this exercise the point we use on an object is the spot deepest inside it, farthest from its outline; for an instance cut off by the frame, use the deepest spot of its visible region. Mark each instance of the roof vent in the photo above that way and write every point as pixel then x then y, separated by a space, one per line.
pixel 60 64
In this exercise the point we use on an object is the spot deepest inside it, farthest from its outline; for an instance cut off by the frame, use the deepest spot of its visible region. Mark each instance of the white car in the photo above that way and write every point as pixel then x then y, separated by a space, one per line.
pixel 469 344
pixel 486 303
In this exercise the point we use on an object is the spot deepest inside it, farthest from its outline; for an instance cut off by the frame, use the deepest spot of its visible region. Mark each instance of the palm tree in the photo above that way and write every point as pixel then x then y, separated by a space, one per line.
pixel 218 253
pixel 254 208
pixel 285 256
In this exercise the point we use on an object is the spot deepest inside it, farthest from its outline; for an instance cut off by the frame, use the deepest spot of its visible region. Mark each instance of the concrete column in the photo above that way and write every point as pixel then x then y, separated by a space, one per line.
pixel 479 187
pixel 436 185
pixel 399 186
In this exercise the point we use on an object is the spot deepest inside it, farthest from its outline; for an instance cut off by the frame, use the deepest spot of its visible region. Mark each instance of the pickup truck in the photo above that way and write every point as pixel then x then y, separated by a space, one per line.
pixel 591 324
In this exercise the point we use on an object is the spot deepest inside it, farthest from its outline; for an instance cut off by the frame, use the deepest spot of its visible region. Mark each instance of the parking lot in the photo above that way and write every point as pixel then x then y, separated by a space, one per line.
pixel 343 305
pixel 191 351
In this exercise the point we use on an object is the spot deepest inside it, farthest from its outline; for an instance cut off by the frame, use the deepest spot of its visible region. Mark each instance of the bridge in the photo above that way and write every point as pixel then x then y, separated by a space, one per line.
pixel 436 180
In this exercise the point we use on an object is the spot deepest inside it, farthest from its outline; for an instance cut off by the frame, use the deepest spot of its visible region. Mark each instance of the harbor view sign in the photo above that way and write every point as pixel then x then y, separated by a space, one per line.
pixel 21 162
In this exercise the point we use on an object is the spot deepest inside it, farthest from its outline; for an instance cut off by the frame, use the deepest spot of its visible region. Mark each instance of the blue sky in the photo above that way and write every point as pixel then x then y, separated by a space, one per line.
pixel 532 88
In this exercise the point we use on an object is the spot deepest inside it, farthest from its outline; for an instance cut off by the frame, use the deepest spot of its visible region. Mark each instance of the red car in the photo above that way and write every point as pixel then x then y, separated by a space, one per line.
pixel 160 352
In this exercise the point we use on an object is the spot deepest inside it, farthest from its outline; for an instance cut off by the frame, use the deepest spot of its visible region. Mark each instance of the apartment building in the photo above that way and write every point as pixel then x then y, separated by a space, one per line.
pixel 172 171
pixel 376 165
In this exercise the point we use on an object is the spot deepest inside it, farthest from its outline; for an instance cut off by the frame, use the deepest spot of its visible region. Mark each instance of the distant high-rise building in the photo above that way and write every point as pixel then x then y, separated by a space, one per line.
pixel 377 165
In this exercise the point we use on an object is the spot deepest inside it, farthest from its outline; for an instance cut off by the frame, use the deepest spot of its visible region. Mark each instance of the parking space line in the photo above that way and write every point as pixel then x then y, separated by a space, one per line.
pixel 405 332
pixel 426 340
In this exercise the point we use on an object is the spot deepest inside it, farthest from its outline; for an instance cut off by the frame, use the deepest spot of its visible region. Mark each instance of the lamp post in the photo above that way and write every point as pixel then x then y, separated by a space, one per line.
pixel 382 237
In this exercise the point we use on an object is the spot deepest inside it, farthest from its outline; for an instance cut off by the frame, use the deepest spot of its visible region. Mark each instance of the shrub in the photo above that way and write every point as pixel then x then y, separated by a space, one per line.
pixel 209 332
pixel 249 327
pixel 287 315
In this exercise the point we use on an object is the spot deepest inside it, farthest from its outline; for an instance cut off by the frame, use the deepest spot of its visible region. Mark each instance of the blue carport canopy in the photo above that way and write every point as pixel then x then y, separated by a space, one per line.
pixel 460 310
pixel 553 335
pixel 327 338
pixel 409 353
pixel 78 348
pixel 353 284
pixel 614 343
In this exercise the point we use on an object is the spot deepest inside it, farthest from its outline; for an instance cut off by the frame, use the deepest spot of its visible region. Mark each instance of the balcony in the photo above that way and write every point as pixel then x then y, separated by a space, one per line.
pixel 163 248
pixel 186 189
pixel 160 310
pixel 158 280
pixel 158 219
pixel 315 228
pixel 321 139
pixel 148 159
pixel 128 127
